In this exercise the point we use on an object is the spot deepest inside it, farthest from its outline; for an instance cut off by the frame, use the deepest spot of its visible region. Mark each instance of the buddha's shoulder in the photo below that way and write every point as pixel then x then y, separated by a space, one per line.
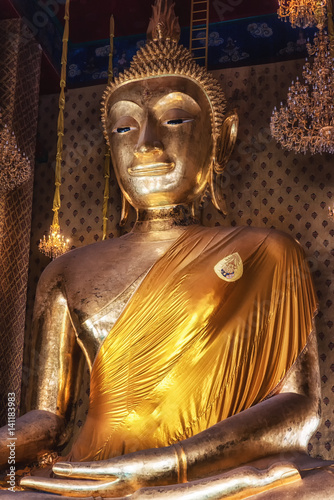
pixel 272 239
pixel 80 259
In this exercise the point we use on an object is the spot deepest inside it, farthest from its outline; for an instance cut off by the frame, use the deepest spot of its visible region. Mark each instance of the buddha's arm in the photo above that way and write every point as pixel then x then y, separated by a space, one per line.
pixel 50 379
pixel 283 423
pixel 280 424
pixel 35 434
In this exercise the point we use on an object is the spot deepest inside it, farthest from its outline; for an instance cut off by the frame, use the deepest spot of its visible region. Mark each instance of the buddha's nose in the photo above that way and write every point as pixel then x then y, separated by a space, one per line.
pixel 148 144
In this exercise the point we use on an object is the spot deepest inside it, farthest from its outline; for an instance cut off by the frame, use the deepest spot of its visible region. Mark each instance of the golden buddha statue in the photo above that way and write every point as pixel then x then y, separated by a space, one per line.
pixel 200 341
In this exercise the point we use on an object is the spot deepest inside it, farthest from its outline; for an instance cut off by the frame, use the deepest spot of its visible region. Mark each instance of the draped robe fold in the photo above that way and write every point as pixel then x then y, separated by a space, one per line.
pixel 191 348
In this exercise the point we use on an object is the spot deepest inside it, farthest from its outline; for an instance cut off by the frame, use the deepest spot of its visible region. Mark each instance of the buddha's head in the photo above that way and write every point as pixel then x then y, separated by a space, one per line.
pixel 164 121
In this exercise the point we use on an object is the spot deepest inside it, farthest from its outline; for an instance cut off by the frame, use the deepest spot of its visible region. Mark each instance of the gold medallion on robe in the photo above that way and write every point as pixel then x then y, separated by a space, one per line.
pixel 230 268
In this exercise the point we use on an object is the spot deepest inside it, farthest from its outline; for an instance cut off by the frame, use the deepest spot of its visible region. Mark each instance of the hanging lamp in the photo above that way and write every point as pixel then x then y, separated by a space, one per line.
pixel 306 123
pixel 302 13
pixel 55 244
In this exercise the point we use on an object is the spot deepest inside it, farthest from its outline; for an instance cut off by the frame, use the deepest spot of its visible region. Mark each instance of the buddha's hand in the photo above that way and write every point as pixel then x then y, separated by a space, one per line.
pixel 111 478
pixel 122 478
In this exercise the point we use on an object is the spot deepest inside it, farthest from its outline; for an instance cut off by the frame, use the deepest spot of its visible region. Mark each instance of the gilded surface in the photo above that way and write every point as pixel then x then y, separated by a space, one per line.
pixel 189 351
pixel 194 342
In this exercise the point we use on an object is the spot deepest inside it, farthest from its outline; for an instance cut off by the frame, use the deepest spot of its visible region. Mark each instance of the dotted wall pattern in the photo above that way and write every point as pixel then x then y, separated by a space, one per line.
pixel 265 186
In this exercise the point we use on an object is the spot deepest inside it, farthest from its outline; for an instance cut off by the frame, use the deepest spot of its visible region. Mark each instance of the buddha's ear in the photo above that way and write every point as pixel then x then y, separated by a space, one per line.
pixel 226 140
pixel 224 146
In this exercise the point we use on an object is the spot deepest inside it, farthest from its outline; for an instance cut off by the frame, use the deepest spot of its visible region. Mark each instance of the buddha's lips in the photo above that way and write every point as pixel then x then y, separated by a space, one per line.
pixel 158 168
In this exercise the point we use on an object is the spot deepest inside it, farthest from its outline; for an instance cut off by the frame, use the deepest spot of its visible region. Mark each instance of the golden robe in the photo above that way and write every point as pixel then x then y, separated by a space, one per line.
pixel 193 347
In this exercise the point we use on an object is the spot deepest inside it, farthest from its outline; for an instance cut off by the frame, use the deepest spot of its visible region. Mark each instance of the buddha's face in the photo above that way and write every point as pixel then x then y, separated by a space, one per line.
pixel 161 141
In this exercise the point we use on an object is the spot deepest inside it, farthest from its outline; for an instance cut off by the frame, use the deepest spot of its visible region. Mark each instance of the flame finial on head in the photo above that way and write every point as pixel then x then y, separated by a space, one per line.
pixel 164 25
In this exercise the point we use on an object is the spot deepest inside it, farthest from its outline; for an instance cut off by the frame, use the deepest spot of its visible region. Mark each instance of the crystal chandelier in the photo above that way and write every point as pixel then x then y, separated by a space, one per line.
pixel 55 244
pixel 302 13
pixel 306 123
pixel 14 165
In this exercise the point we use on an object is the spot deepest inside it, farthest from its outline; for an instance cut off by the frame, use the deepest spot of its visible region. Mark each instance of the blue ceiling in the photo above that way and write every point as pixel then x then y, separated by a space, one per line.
pixel 241 33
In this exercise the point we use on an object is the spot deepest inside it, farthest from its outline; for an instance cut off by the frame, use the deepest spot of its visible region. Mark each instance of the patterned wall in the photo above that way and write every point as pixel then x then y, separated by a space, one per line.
pixel 19 85
pixel 265 186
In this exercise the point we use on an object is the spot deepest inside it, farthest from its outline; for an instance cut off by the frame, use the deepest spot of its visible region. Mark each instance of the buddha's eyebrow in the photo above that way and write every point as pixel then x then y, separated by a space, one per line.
pixel 177 100
pixel 123 108
pixel 125 102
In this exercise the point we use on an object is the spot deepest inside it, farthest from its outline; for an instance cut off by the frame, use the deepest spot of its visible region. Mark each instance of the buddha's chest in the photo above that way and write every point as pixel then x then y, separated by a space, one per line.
pixel 99 292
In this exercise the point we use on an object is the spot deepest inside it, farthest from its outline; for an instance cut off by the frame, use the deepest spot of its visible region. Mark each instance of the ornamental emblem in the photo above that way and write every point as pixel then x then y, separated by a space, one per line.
pixel 230 268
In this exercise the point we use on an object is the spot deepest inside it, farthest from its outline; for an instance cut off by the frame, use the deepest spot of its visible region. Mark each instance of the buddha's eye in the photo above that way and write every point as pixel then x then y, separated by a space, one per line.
pixel 123 130
pixel 178 121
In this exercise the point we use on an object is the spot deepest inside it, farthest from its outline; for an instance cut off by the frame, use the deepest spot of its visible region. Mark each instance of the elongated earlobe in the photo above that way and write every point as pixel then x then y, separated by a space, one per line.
pixel 124 211
pixel 224 146
pixel 193 209
pixel 226 140
pixel 216 191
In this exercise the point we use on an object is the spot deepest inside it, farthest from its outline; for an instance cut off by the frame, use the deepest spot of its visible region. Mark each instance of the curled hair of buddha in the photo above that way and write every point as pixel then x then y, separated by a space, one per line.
pixel 163 56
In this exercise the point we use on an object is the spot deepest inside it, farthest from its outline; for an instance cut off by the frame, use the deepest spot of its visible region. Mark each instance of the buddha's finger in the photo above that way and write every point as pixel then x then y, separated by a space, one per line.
pixel 73 488
pixel 101 469
pixel 237 484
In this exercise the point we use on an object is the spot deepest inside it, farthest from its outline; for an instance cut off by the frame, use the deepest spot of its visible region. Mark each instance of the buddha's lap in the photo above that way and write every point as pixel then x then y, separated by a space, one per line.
pixel 317 482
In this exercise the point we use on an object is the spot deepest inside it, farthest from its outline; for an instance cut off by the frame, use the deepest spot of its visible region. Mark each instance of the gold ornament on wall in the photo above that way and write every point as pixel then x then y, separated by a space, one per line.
pixel 55 244
pixel 15 167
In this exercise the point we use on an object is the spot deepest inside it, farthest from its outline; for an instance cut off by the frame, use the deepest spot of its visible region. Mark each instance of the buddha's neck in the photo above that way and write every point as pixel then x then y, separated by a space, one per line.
pixel 165 221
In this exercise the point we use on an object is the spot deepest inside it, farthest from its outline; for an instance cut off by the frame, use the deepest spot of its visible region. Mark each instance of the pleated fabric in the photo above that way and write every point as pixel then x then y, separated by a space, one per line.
pixel 191 349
